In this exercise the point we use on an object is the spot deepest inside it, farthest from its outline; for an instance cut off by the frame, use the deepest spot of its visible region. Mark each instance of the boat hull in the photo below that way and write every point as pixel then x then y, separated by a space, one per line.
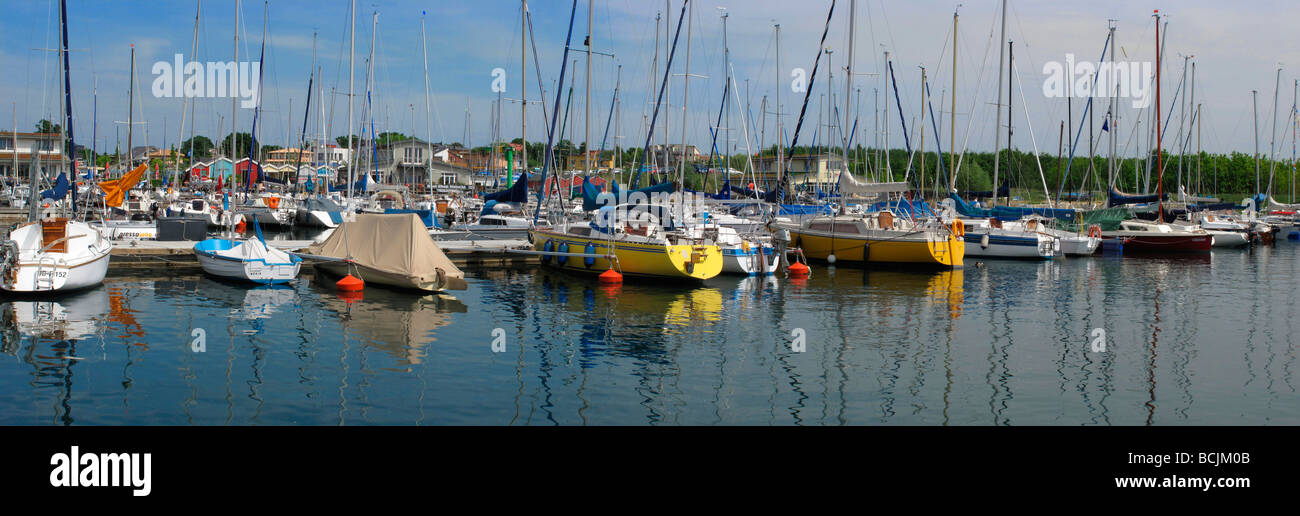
pixel 1028 247
pixel 757 261
pixel 319 219
pixel 1165 243
pixel 633 259
pixel 253 270
pixel 377 277
pixel 1079 246
pixel 1229 239
pixel 82 264
pixel 915 251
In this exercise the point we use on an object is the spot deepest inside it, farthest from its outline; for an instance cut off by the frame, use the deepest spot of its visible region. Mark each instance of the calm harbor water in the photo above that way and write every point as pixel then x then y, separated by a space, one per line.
pixel 1192 340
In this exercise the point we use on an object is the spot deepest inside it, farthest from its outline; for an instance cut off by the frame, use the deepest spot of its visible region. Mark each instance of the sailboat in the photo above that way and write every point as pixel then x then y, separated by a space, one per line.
pixel 1157 236
pixel 126 214
pixel 247 260
pixel 50 253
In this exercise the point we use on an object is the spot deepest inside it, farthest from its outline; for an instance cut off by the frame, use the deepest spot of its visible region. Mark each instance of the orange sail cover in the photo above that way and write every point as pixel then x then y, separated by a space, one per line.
pixel 115 189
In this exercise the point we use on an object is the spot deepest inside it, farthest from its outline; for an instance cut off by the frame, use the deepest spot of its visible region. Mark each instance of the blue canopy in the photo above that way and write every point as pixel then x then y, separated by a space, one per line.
pixel 60 189
pixel 517 193
pixel 1118 198
pixel 589 194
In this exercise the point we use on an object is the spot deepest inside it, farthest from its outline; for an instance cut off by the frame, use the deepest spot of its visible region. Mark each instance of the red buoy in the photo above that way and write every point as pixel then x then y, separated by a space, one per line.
pixel 350 283
pixel 798 270
pixel 610 277
pixel 350 296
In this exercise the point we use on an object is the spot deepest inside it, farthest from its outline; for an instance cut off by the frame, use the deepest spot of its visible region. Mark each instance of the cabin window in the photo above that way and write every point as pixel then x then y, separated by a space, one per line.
pixel 580 231
pixel 842 227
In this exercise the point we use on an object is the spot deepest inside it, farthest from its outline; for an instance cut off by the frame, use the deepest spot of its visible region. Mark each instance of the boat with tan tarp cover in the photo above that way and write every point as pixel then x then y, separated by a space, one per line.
pixel 393 250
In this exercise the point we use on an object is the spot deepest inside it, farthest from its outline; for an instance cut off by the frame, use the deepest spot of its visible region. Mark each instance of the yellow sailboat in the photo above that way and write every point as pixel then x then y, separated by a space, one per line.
pixel 637 241
pixel 880 238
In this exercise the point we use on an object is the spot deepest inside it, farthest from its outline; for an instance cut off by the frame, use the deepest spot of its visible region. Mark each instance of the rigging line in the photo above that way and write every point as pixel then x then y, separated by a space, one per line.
pixel 803 111
pixel 1084 120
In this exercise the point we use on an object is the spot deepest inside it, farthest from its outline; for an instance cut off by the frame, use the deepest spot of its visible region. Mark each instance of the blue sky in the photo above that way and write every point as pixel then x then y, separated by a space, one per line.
pixel 1237 49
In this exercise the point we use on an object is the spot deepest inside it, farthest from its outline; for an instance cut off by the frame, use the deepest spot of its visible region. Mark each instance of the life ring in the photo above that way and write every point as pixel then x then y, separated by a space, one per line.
pixel 1094 231
pixel 590 249
pixel 564 248
pixel 958 228
pixel 549 246
pixel 744 246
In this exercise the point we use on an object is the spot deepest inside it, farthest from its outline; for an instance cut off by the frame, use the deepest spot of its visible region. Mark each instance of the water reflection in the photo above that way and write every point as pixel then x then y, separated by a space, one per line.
pixel 401 324
pixel 1190 340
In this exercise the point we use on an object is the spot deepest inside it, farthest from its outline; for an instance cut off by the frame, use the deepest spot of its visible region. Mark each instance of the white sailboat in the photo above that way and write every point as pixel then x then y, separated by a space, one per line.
pixel 54 253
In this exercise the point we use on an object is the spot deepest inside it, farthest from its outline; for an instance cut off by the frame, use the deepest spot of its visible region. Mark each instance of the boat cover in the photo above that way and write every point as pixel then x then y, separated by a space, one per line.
pixel 397 244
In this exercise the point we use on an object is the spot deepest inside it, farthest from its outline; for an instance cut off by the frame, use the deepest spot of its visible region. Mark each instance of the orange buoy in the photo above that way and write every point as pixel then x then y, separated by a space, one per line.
pixel 611 276
pixel 798 270
pixel 241 226
pixel 350 283
pixel 350 296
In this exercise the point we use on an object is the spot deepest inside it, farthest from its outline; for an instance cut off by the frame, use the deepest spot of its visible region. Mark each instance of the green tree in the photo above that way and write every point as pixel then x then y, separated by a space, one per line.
pixel 198 148
pixel 242 143
pixel 46 126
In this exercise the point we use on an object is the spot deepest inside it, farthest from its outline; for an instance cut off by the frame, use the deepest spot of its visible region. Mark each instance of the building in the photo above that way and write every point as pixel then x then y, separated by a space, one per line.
pixel 332 156
pixel 674 154
pixel 816 169
pixel 579 162
pixel 410 162
pixel 287 157
pixel 48 148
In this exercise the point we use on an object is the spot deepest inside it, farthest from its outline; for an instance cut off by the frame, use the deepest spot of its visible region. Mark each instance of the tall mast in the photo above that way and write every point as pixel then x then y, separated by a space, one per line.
pixel 726 102
pixel 1272 143
pixel 1160 168
pixel 586 159
pixel 952 123
pixel 523 86
pixel 194 48
pixel 848 81
pixel 1111 115
pixel 1254 103
pixel 1011 58
pixel 70 144
pixel 130 112
pixel 352 51
pixel 234 106
pixel 921 171
pixel 997 129
pixel 1182 117
pixel 1195 116
pixel 686 95
pixel 428 121
pixel 780 140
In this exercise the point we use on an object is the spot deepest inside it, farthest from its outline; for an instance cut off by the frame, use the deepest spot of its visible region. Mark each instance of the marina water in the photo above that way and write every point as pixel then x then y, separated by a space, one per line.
pixel 1104 340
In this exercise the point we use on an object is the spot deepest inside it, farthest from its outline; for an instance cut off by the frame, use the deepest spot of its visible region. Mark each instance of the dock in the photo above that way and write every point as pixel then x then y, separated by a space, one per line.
pixel 140 254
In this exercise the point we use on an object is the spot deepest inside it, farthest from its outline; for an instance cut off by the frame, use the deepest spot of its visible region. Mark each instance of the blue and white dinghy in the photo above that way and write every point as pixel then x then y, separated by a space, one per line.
pixel 248 260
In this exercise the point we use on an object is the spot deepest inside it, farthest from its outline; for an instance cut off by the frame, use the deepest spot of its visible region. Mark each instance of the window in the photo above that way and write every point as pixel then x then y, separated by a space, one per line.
pixel 44 145
pixel 414 154
pixel 6 143
pixel 448 179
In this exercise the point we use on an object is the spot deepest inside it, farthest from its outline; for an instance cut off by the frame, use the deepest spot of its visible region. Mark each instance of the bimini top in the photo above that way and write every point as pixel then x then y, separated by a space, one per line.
pixel 396 244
